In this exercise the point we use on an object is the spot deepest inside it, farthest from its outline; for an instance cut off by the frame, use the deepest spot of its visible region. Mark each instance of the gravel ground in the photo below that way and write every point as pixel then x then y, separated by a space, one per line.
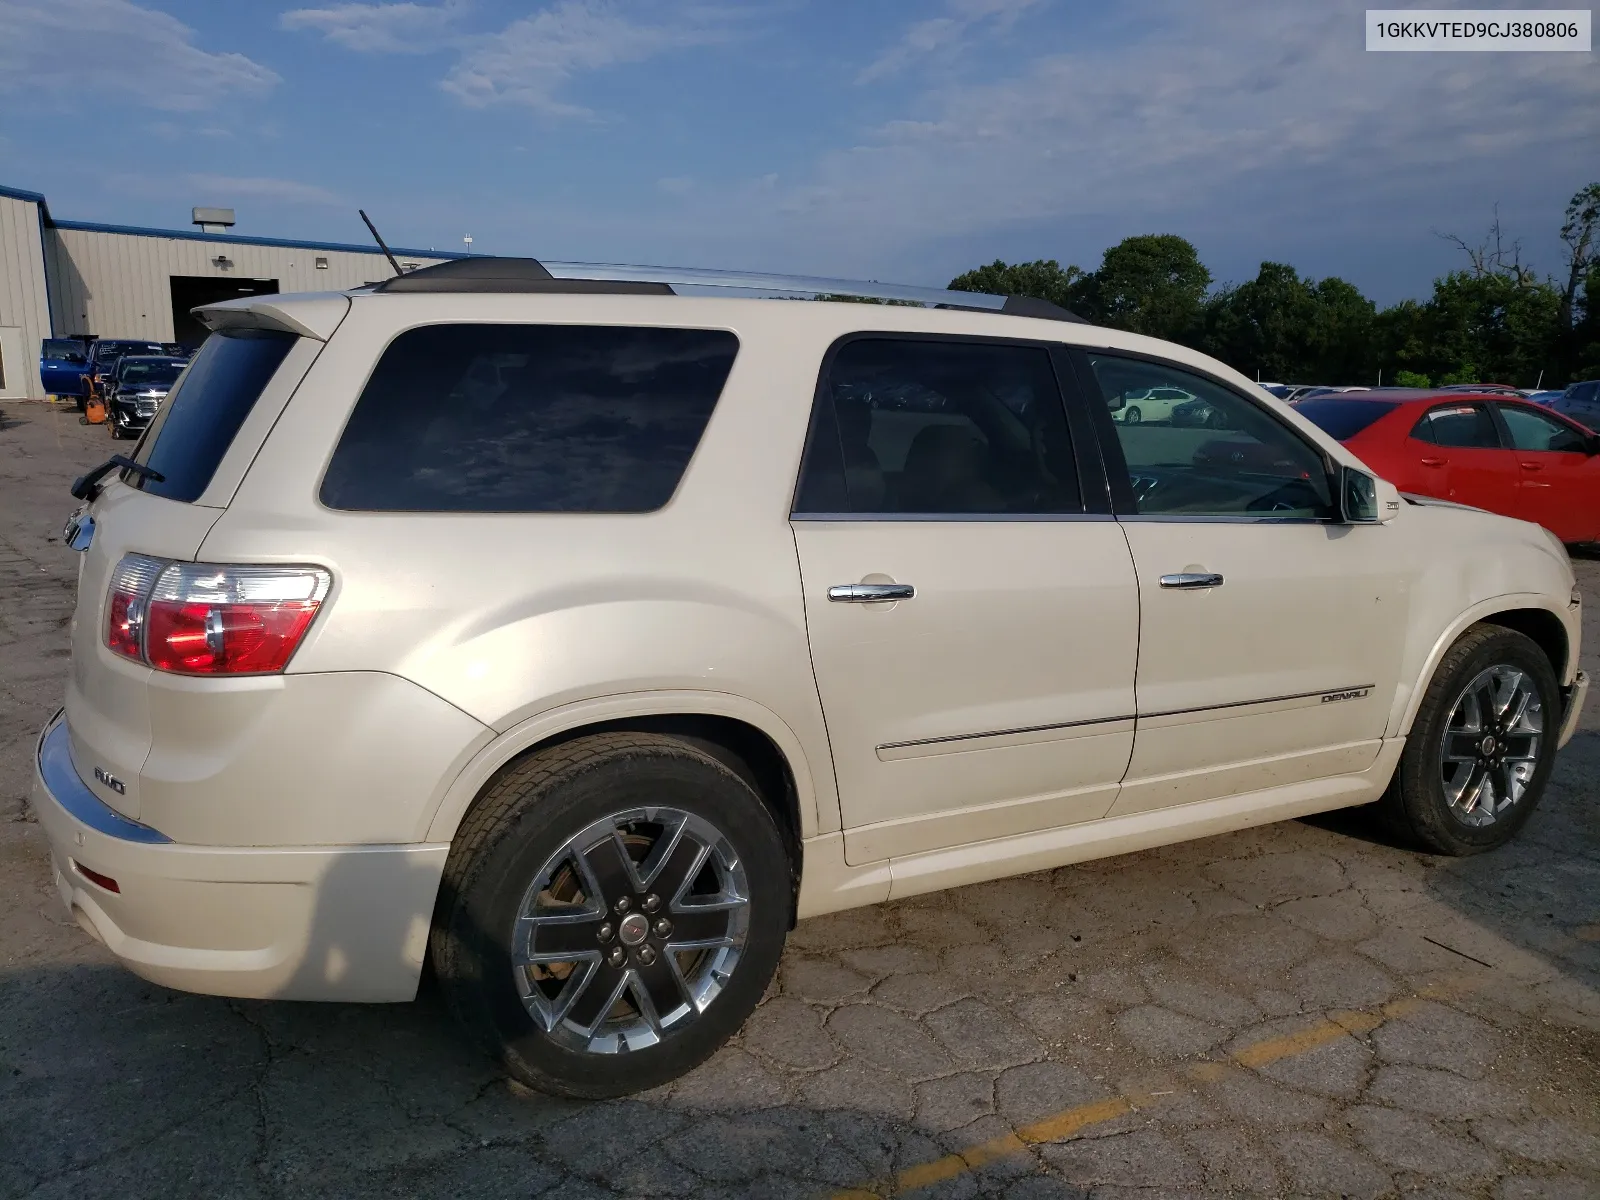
pixel 1299 1009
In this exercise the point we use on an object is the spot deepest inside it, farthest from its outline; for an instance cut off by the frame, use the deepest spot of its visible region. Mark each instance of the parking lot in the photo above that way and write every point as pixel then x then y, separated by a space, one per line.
pixel 1301 1009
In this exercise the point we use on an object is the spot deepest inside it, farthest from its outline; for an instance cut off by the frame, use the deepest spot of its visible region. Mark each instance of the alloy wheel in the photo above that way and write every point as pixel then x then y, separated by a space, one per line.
pixel 631 930
pixel 1490 748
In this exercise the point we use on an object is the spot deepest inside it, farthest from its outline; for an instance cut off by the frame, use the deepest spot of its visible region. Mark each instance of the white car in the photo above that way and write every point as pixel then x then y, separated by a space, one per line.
pixel 584 636
pixel 1143 405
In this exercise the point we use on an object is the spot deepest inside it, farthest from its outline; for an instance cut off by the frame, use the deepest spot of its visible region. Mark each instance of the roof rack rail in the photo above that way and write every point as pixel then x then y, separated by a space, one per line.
pixel 531 275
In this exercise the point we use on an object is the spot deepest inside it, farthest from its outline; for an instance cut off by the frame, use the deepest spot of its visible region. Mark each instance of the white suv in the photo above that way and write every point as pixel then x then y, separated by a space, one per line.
pixel 582 636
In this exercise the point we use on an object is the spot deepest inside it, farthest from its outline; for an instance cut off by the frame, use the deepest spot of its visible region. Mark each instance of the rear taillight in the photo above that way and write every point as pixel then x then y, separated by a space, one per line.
pixel 204 619
pixel 125 604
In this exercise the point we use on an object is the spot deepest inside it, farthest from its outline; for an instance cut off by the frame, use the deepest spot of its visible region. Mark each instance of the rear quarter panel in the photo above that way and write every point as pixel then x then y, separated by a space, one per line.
pixel 526 622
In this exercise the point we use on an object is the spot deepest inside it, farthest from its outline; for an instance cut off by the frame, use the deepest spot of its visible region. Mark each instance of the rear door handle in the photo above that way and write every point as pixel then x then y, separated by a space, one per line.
pixel 1533 466
pixel 870 593
pixel 1434 462
pixel 1190 580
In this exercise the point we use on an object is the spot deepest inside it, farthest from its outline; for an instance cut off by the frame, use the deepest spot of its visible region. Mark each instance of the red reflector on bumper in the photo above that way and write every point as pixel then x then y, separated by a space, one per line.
pixel 96 878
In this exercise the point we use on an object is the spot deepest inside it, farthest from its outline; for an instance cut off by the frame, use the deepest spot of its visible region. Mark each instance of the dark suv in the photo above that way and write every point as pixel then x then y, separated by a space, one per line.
pixel 136 389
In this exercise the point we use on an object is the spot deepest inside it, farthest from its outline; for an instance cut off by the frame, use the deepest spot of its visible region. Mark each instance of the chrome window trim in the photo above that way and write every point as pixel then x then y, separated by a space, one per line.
pixel 53 761
pixel 1045 518
pixel 1226 519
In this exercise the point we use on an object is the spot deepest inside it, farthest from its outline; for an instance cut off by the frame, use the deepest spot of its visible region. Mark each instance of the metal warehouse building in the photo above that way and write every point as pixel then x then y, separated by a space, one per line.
pixel 74 278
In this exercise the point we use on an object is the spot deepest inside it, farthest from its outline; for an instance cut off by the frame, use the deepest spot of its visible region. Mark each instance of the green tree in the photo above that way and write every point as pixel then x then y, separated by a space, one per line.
pixel 1497 327
pixel 1152 283
pixel 1044 279
pixel 1280 326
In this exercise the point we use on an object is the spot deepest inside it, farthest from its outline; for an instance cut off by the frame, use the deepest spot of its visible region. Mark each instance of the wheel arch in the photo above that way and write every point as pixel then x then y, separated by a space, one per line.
pixel 746 737
pixel 1529 614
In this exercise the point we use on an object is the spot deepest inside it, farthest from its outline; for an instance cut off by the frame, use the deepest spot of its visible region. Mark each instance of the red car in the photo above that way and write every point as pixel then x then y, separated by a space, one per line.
pixel 1490 451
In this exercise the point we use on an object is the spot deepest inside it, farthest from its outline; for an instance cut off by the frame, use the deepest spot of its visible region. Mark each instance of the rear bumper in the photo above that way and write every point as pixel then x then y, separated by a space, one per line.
pixel 1572 707
pixel 318 923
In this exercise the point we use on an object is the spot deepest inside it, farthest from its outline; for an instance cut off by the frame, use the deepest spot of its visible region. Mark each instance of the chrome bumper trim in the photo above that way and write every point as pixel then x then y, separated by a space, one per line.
pixel 62 781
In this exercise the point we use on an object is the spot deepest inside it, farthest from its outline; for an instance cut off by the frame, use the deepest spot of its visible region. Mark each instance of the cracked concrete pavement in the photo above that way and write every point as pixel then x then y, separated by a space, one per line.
pixel 1295 1010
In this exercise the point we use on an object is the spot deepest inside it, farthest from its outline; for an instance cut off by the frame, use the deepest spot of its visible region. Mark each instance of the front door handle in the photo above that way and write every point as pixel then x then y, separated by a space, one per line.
pixel 1190 580
pixel 1532 466
pixel 870 593
pixel 1434 462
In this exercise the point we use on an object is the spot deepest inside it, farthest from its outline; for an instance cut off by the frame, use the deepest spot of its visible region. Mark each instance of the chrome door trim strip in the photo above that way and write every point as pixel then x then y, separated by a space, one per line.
pixel 1328 696
pixel 998 733
pixel 893 750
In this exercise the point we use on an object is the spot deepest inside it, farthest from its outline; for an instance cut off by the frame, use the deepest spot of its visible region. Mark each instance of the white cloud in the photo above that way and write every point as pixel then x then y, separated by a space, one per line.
pixel 943 36
pixel 532 59
pixel 63 46
pixel 223 188
pixel 379 28
pixel 1211 115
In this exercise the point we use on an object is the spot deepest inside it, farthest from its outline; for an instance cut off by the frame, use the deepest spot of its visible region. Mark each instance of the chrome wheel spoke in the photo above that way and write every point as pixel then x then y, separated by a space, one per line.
pixel 609 871
pixel 662 987
pixel 597 996
pixel 562 939
pixel 680 864
pixel 702 923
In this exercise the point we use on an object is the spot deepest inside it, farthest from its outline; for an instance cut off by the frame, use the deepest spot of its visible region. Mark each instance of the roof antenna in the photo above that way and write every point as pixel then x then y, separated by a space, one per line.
pixel 378 237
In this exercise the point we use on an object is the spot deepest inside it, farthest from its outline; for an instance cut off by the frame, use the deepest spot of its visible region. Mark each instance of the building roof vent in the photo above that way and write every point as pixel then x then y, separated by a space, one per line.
pixel 213 220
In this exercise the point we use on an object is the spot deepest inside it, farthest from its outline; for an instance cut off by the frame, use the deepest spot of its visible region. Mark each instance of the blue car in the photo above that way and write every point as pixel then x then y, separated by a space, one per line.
pixel 63 364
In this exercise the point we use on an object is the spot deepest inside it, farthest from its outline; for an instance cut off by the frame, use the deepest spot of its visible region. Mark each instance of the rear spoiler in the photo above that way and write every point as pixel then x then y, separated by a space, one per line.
pixel 307 314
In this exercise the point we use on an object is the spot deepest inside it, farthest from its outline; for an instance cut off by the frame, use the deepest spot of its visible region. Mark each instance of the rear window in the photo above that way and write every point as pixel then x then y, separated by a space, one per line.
pixel 529 418
pixel 1343 419
pixel 197 423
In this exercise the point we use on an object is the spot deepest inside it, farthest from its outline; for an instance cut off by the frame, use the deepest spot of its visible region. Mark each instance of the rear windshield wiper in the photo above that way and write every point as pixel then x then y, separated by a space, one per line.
pixel 87 487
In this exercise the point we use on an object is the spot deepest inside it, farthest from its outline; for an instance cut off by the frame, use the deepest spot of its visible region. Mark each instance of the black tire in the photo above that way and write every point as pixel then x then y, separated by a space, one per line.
pixel 520 824
pixel 1415 806
pixel 1133 416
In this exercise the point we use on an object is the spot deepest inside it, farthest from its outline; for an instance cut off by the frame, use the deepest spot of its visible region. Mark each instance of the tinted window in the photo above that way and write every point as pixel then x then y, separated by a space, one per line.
pixel 1463 426
pixel 200 418
pixel 1343 419
pixel 1534 431
pixel 63 349
pixel 1217 455
pixel 938 427
pixel 529 418
pixel 1583 393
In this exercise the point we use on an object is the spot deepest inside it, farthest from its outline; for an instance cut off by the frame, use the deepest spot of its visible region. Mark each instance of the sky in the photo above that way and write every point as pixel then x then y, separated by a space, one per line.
pixel 888 140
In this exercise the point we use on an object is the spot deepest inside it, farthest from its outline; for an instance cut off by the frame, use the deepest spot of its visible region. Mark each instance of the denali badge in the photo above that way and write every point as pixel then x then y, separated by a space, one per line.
pixel 1350 694
pixel 111 781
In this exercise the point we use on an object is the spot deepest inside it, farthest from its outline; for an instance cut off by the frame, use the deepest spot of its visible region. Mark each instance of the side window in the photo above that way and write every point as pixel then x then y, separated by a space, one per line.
pixel 938 427
pixel 529 418
pixel 1462 426
pixel 1534 431
pixel 1197 448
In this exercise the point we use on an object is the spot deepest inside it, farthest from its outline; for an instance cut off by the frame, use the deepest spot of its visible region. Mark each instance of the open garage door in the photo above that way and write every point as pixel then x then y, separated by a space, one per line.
pixel 191 291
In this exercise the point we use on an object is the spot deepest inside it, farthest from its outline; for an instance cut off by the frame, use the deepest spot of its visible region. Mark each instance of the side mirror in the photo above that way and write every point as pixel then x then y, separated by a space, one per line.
pixel 1365 499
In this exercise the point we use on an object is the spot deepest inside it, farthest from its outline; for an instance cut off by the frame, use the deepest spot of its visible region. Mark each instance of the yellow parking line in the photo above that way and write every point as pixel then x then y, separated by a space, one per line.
pixel 1062 1125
